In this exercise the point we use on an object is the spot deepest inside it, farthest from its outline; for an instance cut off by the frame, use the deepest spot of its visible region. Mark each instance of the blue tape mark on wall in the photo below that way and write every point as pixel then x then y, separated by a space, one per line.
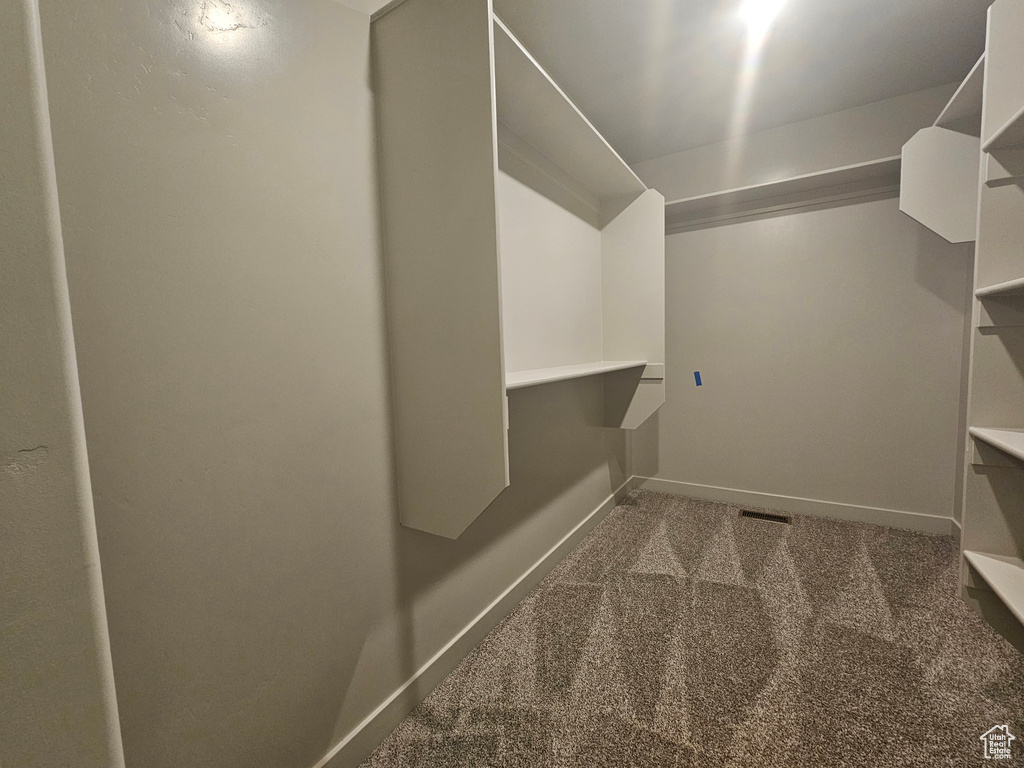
pixel 696 376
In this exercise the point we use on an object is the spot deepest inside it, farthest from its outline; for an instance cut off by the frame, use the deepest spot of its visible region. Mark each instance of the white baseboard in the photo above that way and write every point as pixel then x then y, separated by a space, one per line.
pixel 365 737
pixel 956 530
pixel 798 506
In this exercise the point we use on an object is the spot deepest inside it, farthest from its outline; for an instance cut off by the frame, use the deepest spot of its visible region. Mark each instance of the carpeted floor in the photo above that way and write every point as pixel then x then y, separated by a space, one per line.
pixel 678 634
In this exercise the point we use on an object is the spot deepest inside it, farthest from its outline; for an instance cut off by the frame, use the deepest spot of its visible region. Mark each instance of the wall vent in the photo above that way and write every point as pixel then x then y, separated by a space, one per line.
pixel 769 517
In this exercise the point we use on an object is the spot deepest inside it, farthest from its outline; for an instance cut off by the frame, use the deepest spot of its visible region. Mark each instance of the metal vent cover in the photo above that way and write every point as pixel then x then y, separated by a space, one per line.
pixel 769 517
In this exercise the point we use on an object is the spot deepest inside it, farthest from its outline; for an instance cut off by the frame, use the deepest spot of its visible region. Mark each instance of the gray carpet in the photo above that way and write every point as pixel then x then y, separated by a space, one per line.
pixel 679 634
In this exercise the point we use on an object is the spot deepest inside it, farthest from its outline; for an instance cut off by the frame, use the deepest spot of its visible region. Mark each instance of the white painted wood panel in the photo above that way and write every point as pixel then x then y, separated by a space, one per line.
pixel 1000 252
pixel 939 182
pixel 1006 440
pixel 1006 577
pixel 836 183
pixel 1003 121
pixel 633 261
pixel 1007 288
pixel 438 160
pixel 550 281
pixel 531 104
pixel 633 256
pixel 993 535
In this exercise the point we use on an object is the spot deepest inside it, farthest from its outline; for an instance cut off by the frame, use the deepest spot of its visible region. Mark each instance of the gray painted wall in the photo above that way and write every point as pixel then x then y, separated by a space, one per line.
pixel 57 705
pixel 216 167
pixel 831 341
pixel 830 348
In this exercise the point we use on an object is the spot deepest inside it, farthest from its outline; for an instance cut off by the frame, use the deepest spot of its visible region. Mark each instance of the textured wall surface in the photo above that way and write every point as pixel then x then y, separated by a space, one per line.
pixel 829 344
pixel 218 196
pixel 57 704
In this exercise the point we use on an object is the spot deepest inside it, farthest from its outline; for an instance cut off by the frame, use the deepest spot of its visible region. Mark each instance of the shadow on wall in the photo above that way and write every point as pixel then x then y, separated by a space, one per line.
pixel 562 462
pixel 936 267
pixel 556 443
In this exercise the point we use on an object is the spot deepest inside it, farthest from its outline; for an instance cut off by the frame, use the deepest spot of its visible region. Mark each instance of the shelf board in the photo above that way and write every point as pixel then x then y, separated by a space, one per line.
pixel 532 105
pixel 1006 440
pixel 1009 288
pixel 1006 577
pixel 963 112
pixel 521 379
pixel 835 183
pixel 1009 135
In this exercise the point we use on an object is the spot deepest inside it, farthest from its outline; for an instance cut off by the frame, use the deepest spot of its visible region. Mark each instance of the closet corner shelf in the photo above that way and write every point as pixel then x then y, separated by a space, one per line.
pixel 1009 135
pixel 844 182
pixel 1009 288
pixel 531 378
pixel 1006 577
pixel 1006 440
pixel 963 112
pixel 535 108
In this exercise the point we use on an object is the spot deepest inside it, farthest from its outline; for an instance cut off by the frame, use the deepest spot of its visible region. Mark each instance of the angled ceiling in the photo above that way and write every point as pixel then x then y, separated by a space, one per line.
pixel 660 76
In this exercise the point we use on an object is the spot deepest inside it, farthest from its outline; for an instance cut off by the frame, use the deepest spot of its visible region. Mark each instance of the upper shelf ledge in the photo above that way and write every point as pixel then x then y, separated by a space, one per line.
pixel 1008 288
pixel 1006 440
pixel 1009 135
pixel 532 105
pixel 835 183
pixel 520 379
pixel 1005 575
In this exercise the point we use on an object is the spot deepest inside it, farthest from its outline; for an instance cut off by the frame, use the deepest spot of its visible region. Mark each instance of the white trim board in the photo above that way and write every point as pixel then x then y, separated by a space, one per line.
pixel 365 737
pixel 892 518
pixel 835 185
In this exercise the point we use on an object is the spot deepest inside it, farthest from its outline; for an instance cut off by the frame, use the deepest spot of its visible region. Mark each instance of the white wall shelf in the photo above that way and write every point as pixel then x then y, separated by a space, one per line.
pixel 1007 288
pixel 992 537
pixel 1004 167
pixel 536 110
pixel 1003 120
pixel 1010 135
pixel 963 112
pixel 851 181
pixel 1005 575
pixel 1000 305
pixel 1006 440
pixel 473 132
pixel 521 379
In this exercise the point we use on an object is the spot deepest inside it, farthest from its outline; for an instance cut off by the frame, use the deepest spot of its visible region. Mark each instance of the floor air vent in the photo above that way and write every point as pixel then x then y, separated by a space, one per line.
pixel 766 516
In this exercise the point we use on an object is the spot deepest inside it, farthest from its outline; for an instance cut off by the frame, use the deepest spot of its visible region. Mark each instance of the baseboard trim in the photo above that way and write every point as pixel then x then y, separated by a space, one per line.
pixel 365 737
pixel 956 530
pixel 799 506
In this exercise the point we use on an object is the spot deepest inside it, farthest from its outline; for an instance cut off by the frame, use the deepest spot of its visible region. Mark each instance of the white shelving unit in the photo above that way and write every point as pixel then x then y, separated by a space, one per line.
pixel 847 182
pixel 538 125
pixel 1013 287
pixel 474 133
pixel 1005 575
pixel 939 185
pixel 1006 440
pixel 1010 135
pixel 993 509
pixel 963 112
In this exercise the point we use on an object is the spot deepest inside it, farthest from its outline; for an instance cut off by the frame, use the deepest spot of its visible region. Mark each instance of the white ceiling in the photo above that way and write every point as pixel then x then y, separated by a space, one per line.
pixel 660 76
